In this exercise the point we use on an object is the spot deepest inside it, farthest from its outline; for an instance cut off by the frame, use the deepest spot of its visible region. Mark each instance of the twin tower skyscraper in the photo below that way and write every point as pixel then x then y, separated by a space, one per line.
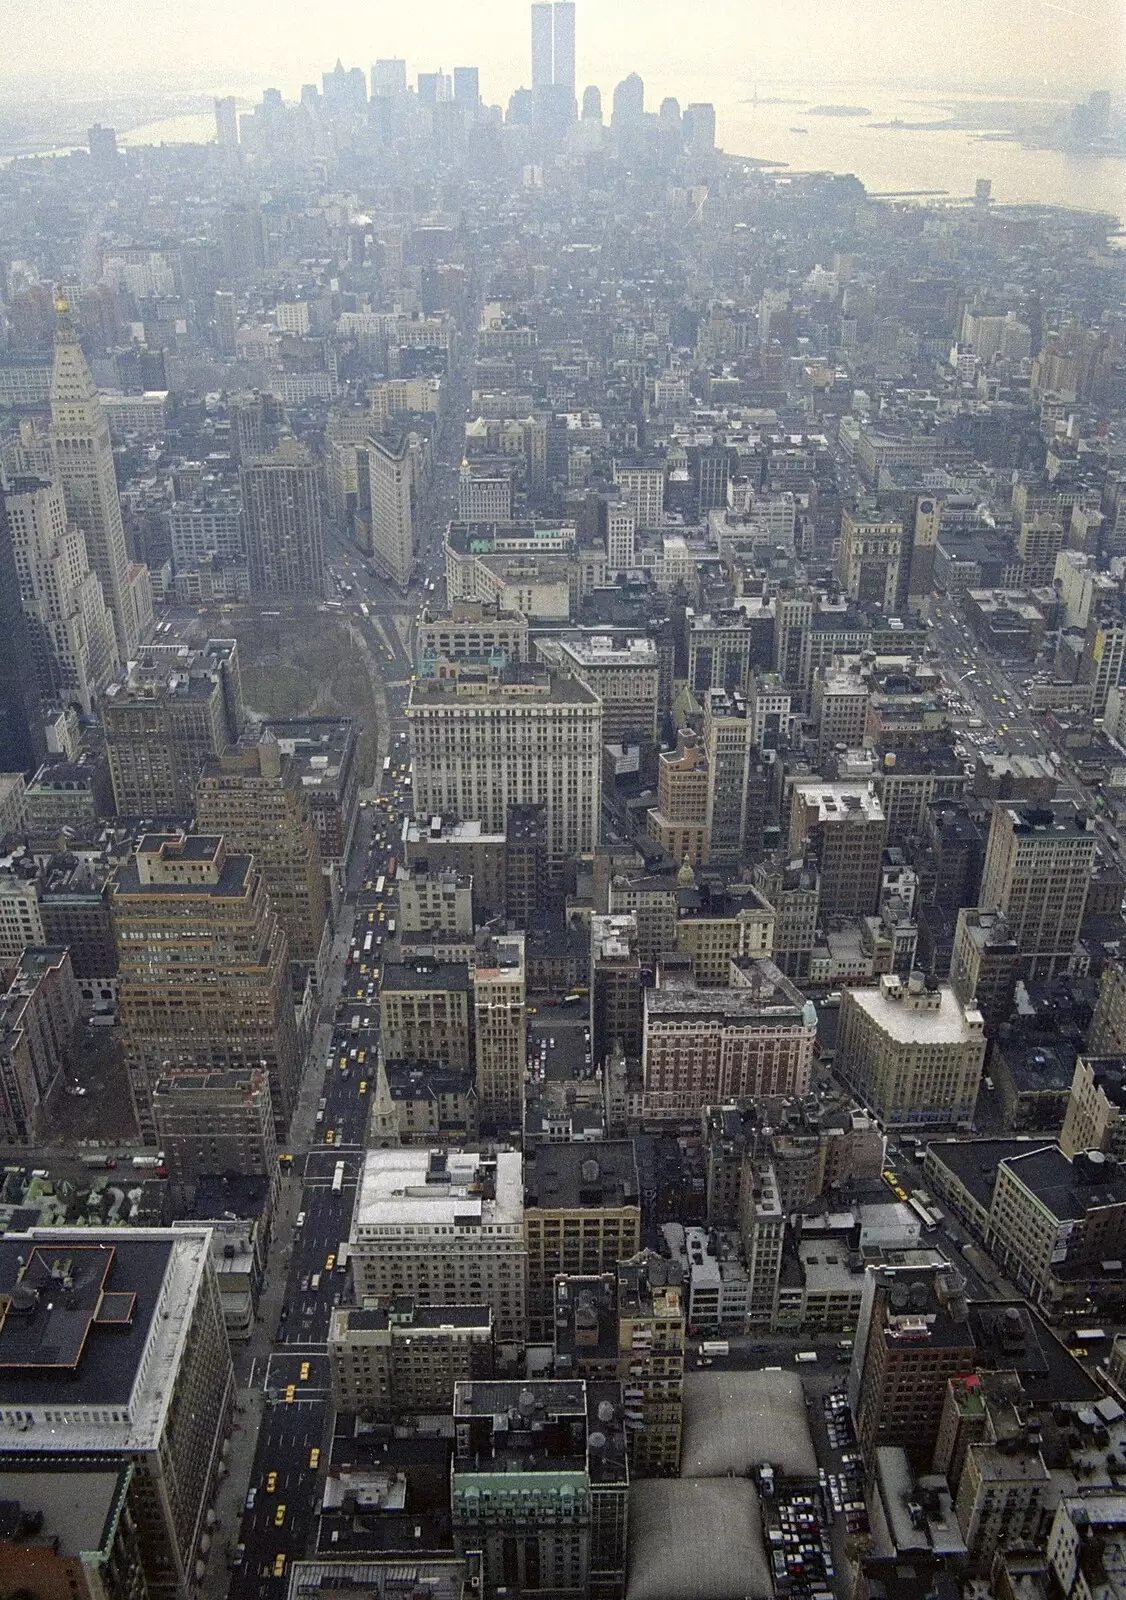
pixel 553 50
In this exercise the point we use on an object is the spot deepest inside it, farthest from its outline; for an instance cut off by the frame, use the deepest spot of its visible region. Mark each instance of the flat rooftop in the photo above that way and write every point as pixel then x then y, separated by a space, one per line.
pixel 907 1024
pixel 80 1351
pixel 836 802
pixel 433 975
pixel 591 1176
pixel 78 1508
pixel 410 1188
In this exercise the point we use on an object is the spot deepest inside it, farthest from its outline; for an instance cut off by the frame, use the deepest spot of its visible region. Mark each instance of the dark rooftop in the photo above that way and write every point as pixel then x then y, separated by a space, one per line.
pixel 78 1315
pixel 570 1177
pixel 425 975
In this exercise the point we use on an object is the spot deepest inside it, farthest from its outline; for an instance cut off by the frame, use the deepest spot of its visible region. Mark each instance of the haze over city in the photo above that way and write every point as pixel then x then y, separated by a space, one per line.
pixel 924 45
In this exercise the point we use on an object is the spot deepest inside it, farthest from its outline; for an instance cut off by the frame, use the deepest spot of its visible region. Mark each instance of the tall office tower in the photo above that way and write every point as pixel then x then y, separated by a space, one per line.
pixel 563 45
pixel 281 505
pixel 651 1321
pixel 499 1034
pixel 912 1052
pixel 73 650
pixel 525 864
pixel 592 103
pixel 85 470
pixel 467 87
pixel 21 737
pixel 388 77
pixel 840 710
pixel 985 964
pixel 392 508
pixel 445 1227
pixel 868 565
pixel 483 740
pixel 224 323
pixel 643 490
pixel 629 102
pixel 582 1213
pixel 1095 1118
pixel 843 827
pixel 679 821
pixel 102 144
pixel 540 1486
pixel 615 987
pixel 38 1020
pixel 254 797
pixel 699 128
pixel 729 745
pixel 621 537
pixel 542 49
pixel 912 1335
pixel 114 1353
pixel 226 123
pixel 924 543
pixel 203 965
pixel 1038 864
pixel 172 712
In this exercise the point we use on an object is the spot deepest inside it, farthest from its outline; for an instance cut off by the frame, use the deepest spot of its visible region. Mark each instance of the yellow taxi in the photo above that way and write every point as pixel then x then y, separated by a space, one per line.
pixel 279 1566
pixel 330 1263
pixel 330 1136
pixel 304 1371
pixel 271 1482
pixel 315 1457
pixel 363 1086
pixel 290 1393
pixel 279 1515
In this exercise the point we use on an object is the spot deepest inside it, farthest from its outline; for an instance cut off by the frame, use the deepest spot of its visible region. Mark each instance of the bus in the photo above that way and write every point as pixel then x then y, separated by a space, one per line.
pixel 342 1256
pixel 391 870
pixel 338 1177
pixel 926 1217
pixel 380 884
pixel 386 764
pixel 715 1347
pixel 1086 1336
pixel 390 925
pixel 367 944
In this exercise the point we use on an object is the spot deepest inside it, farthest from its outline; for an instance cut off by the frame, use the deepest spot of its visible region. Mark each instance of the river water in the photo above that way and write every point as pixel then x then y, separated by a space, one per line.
pixel 783 126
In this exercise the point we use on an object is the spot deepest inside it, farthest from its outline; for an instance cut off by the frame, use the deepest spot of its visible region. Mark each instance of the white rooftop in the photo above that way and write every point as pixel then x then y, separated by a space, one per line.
pixel 393 1192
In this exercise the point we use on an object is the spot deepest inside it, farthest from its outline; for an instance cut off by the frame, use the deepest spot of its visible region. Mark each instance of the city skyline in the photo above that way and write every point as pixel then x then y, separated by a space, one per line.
pixel 1009 44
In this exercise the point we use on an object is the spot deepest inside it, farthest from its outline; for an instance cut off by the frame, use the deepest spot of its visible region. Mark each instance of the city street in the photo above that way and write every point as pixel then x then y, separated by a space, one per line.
pixel 306 1278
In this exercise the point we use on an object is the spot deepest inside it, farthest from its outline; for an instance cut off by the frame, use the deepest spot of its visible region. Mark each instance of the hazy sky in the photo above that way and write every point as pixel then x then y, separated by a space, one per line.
pixel 695 48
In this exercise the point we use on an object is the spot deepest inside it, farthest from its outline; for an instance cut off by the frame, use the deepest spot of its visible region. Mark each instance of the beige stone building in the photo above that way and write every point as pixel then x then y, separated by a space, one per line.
pixel 1096 1109
pixel 402 1358
pixel 445 1228
pixel 651 1322
pixel 679 821
pixel 582 1214
pixel 912 1052
pixel 204 976
pixel 1038 864
pixel 499 1032
pixel 424 1012
pixel 254 798
pixel 482 741
pixel 168 717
